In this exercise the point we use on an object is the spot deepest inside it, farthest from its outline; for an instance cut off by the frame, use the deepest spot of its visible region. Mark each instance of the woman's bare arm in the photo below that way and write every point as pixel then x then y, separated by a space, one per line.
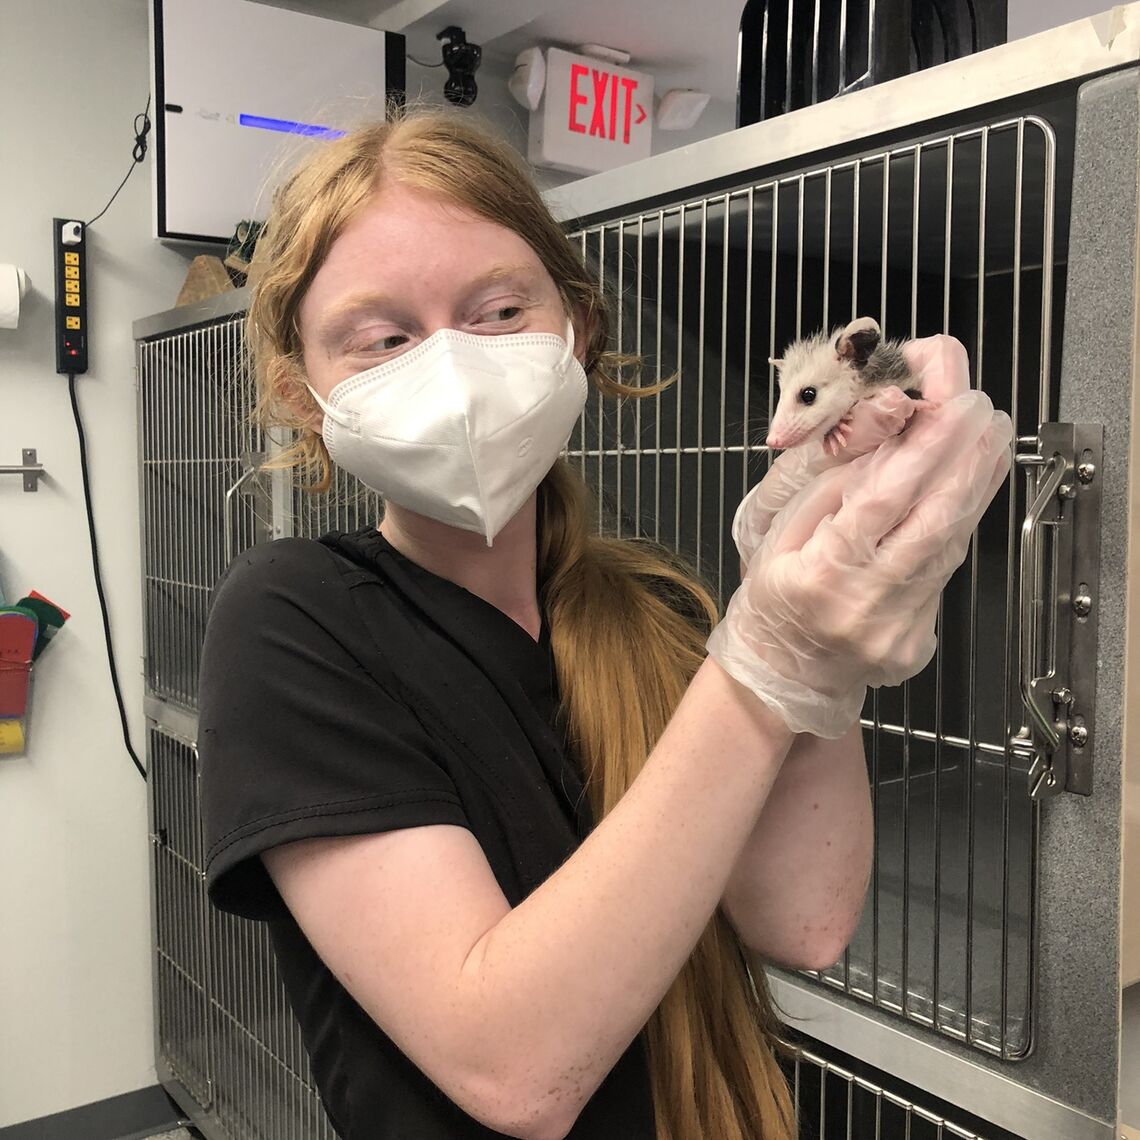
pixel 518 1015
pixel 797 890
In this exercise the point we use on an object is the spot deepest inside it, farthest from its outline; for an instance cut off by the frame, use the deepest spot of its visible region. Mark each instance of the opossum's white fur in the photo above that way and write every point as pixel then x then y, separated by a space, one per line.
pixel 839 381
pixel 814 361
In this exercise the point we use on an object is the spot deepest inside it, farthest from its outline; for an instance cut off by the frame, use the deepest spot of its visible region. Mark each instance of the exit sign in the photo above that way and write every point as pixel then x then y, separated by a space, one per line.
pixel 593 116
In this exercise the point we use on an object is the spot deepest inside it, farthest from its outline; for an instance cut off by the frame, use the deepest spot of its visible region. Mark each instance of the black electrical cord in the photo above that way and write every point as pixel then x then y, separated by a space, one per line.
pixel 138 153
pixel 423 63
pixel 98 572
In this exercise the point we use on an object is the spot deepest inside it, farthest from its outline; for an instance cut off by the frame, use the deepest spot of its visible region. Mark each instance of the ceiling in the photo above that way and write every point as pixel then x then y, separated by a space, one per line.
pixel 681 43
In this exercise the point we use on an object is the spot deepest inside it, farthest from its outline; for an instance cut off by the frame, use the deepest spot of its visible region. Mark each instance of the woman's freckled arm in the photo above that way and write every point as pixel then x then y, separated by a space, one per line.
pixel 809 855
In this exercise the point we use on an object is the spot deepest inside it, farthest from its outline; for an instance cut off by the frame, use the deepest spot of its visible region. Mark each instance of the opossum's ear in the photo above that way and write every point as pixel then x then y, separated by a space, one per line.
pixel 775 362
pixel 858 340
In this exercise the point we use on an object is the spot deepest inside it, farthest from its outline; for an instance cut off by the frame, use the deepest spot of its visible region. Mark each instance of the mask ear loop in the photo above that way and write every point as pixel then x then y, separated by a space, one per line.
pixel 569 338
pixel 320 403
pixel 330 413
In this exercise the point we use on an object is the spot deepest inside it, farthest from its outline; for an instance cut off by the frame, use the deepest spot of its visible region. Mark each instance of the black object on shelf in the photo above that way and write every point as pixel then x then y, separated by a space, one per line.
pixel 793 53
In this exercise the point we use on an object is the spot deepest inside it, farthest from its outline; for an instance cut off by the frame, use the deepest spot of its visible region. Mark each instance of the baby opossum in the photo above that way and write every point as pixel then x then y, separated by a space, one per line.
pixel 823 377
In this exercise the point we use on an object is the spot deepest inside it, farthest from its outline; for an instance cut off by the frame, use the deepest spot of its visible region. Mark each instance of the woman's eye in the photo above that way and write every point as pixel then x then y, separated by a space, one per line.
pixel 501 315
pixel 382 344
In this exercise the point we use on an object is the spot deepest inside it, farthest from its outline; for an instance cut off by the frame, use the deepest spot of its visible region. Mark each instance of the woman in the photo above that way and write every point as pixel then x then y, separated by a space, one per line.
pixel 510 828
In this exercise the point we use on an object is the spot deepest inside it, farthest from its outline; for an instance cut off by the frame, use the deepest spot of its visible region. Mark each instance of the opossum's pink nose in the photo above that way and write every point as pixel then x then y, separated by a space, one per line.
pixel 776 439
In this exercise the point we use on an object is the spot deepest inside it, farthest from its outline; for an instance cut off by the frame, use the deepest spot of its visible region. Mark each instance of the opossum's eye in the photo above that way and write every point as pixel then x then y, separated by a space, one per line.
pixel 807 395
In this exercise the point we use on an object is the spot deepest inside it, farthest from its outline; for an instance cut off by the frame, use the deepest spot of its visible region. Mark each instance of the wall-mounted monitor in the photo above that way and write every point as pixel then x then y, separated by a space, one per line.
pixel 239 89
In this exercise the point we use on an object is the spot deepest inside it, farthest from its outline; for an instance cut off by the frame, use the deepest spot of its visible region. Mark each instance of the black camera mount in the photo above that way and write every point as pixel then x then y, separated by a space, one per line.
pixel 462 61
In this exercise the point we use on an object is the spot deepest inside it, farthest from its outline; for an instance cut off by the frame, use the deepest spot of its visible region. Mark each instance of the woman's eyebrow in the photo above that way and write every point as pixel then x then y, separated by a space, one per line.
pixel 523 274
pixel 343 314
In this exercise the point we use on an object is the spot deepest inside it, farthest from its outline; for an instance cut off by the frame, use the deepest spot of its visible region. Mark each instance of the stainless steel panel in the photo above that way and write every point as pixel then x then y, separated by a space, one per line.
pixel 232 303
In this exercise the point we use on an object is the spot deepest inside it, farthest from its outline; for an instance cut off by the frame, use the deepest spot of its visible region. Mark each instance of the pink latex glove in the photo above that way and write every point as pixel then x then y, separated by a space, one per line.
pixel 842 590
pixel 942 363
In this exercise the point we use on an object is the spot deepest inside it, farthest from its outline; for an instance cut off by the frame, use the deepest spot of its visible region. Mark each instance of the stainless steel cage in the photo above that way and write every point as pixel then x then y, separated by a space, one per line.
pixel 224 1030
pixel 231 1049
pixel 834 1102
pixel 793 53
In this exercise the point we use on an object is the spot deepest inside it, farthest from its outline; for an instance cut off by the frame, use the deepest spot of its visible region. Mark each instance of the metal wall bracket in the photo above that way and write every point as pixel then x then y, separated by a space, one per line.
pixel 28 467
pixel 1058 594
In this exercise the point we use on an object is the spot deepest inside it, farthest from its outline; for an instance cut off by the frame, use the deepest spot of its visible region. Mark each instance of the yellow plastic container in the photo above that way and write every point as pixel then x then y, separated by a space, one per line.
pixel 11 737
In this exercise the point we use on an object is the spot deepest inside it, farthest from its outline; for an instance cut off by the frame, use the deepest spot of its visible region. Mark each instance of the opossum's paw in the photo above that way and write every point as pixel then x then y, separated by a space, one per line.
pixel 837 438
pixel 922 404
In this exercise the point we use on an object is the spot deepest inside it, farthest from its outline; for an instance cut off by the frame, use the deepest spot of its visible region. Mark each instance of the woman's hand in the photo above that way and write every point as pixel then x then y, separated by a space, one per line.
pixel 842 590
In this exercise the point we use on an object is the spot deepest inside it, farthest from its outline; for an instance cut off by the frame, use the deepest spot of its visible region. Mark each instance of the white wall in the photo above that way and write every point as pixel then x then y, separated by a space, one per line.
pixel 75 989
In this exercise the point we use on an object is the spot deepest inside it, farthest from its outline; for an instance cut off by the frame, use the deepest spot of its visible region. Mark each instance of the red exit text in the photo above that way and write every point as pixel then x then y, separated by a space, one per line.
pixel 605 98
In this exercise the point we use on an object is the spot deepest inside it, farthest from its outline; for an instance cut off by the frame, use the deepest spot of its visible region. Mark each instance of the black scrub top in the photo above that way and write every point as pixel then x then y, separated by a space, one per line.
pixel 345 690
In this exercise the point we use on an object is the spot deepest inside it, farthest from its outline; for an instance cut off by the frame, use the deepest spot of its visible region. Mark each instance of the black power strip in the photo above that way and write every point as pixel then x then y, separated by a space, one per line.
pixel 70 240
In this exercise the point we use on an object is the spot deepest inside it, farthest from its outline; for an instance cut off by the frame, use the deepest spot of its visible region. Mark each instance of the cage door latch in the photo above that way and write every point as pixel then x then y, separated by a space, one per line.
pixel 1057 597
pixel 250 487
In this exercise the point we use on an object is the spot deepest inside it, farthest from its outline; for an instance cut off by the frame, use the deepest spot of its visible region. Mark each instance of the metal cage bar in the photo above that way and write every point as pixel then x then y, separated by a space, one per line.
pixel 792 55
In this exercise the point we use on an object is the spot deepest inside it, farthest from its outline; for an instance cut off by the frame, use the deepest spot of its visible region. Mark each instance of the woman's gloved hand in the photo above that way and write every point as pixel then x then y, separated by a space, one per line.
pixel 842 589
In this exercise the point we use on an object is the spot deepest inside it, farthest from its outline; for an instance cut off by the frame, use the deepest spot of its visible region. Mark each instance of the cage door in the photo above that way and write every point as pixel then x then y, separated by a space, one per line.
pixel 952 234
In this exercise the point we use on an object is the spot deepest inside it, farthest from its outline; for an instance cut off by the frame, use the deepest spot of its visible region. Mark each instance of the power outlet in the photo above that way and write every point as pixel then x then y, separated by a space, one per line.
pixel 70 241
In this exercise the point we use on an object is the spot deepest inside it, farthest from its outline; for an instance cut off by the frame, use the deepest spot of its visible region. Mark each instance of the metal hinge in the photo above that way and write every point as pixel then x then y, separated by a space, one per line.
pixel 1057 605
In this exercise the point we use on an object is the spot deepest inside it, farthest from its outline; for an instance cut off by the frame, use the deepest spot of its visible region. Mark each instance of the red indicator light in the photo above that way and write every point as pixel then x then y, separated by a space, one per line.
pixel 73 351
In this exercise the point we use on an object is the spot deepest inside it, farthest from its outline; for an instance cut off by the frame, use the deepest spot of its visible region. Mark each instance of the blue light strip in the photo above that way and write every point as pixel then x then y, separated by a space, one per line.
pixel 289 127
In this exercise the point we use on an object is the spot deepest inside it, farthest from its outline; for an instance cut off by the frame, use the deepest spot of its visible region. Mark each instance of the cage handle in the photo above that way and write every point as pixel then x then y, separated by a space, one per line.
pixel 1056 639
pixel 1031 533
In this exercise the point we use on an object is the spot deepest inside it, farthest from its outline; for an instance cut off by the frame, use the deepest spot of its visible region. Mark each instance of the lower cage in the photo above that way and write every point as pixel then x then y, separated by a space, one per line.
pixel 229 1050
pixel 838 1097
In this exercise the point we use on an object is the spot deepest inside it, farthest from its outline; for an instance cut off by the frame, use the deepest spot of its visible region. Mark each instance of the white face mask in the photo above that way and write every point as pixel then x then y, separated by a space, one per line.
pixel 461 428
